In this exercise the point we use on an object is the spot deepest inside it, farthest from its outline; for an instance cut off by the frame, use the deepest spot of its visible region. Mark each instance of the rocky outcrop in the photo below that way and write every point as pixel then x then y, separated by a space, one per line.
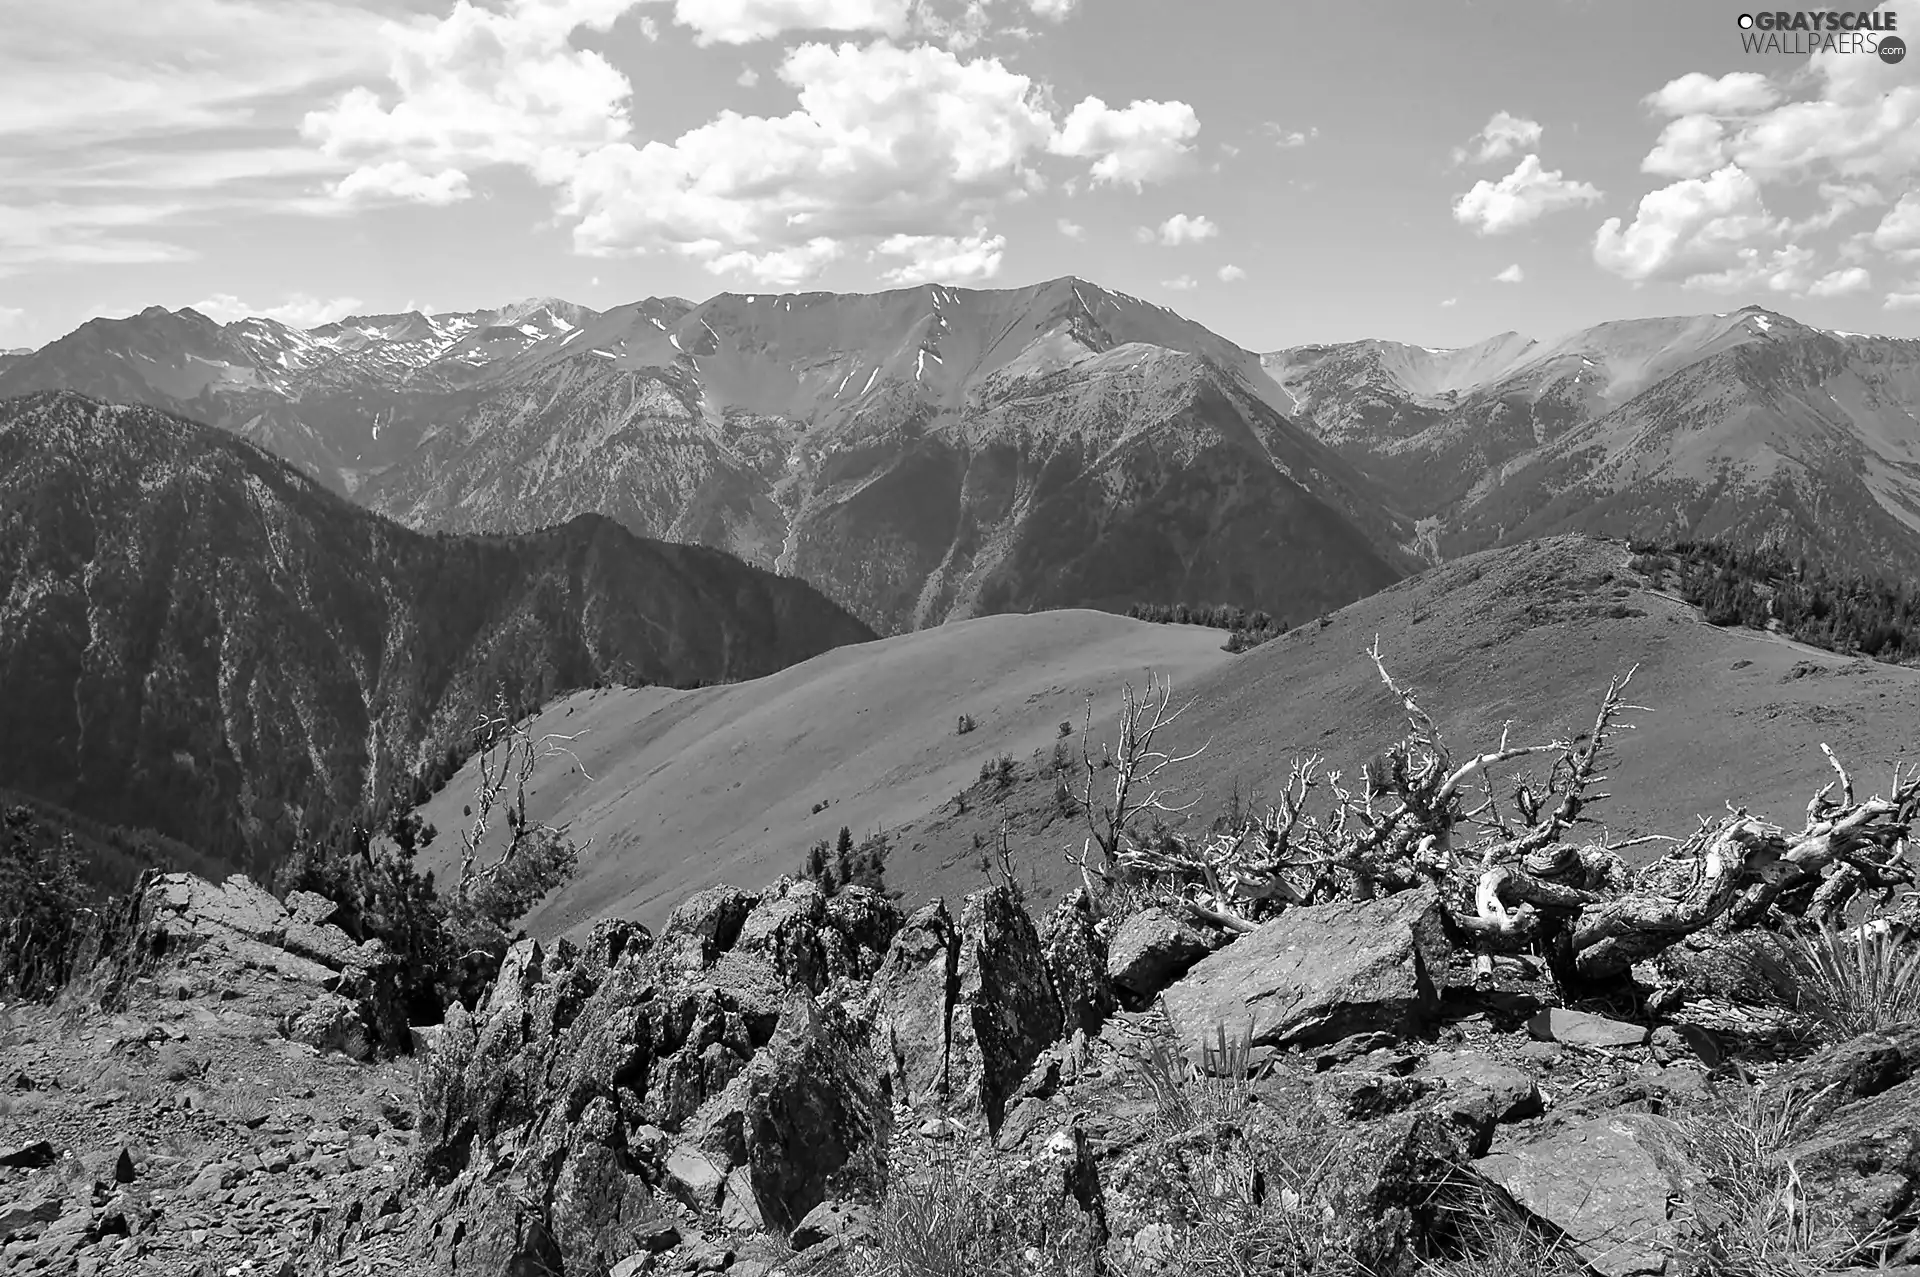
pixel 1005 1010
pixel 732 1064
pixel 331 992
pixel 1318 974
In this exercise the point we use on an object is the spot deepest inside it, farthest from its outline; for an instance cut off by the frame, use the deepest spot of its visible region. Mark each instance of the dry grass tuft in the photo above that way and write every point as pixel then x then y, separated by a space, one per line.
pixel 1862 980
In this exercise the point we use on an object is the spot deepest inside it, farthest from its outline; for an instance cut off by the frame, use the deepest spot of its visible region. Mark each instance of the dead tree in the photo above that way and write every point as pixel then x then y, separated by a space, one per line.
pixel 506 758
pixel 1507 876
pixel 1138 790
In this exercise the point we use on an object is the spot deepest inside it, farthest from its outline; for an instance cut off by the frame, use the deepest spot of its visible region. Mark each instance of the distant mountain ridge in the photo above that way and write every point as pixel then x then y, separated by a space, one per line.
pixel 934 453
pixel 1745 425
pixel 920 454
pixel 196 638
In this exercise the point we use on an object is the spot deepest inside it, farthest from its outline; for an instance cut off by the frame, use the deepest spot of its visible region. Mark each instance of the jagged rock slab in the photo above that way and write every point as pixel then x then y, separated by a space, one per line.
pixel 1609 1183
pixel 1318 974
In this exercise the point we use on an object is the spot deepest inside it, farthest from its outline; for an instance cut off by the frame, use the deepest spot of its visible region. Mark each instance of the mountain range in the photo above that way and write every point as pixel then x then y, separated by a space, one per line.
pixel 198 639
pixel 934 453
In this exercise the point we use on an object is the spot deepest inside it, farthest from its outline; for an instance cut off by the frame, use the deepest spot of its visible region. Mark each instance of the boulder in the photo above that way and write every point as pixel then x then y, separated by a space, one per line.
pixel 1150 950
pixel 1583 1028
pixel 1608 1183
pixel 833 1219
pixel 1320 973
pixel 1861 1169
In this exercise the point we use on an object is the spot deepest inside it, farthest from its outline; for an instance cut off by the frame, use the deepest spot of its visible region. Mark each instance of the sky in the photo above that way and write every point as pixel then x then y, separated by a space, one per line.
pixel 1283 171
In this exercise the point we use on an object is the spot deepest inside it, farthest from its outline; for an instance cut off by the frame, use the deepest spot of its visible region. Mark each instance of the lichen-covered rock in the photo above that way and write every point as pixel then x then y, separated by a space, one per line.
pixel 1077 965
pixel 1005 1011
pixel 1860 1170
pixel 600 1076
pixel 1318 974
pixel 911 1002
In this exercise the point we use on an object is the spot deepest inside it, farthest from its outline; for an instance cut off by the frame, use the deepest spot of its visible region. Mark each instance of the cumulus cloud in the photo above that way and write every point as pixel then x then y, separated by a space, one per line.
pixel 1511 275
pixel 1899 231
pixel 1231 274
pixel 1177 230
pixel 1184 284
pixel 1840 199
pixel 1071 229
pixel 747 78
pixel 1523 196
pixel 1902 301
pixel 945 259
pixel 910 146
pixel 1052 10
pixel 298 311
pixel 1779 270
pixel 1736 93
pixel 481 87
pixel 1839 283
pixel 1503 135
pixel 1691 146
pixel 1448 302
pixel 1688 229
pixel 886 141
pixel 1145 141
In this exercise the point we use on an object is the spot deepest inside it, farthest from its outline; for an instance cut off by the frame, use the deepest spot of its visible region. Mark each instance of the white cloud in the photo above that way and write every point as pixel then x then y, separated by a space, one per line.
pixel 943 259
pixel 1231 274
pixel 886 141
pixel 747 78
pixel 1691 146
pixel 1852 279
pixel 1501 136
pixel 744 21
pixel 298 311
pixel 1072 230
pixel 1053 10
pixel 1286 138
pixel 1779 270
pixel 1688 229
pixel 1451 301
pixel 1178 229
pixel 1736 93
pixel 1900 228
pixel 12 324
pixel 1511 275
pixel 650 28
pixel 104 233
pixel 1863 122
pixel 1902 301
pixel 1184 284
pixel 1144 142
pixel 1842 199
pixel 478 88
pixel 79 73
pixel 781 267
pixel 1521 197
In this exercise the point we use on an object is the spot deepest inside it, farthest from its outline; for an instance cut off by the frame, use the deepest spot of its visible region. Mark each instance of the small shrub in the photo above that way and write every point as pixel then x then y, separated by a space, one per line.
pixel 1066 729
pixel 997 771
pixel 964 725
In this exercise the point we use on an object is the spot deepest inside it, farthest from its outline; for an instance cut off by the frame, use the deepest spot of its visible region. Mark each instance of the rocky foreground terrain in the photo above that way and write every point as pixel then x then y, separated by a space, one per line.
pixel 788 1081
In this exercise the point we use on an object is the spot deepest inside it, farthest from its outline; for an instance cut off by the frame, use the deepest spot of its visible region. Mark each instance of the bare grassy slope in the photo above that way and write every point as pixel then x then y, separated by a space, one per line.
pixel 689 788
pixel 1524 634
pixel 715 785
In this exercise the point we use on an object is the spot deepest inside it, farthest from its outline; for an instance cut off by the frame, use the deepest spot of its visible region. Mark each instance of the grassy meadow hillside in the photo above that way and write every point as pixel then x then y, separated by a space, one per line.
pixel 692 788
